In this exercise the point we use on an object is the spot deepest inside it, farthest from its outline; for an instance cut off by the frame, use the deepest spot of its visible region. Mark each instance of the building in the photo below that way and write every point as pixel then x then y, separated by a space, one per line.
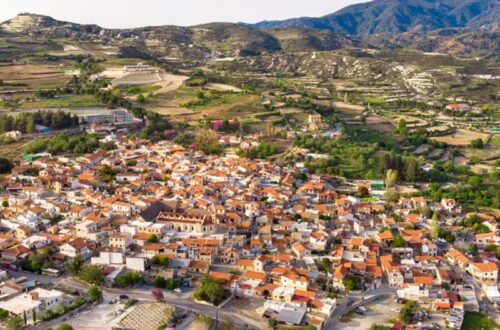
pixel 484 273
pixel 76 247
pixel 183 222
pixel 115 117
pixel 35 301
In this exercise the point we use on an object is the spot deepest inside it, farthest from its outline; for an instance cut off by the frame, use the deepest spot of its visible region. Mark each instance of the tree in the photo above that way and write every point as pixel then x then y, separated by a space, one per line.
pixel 152 239
pixel 411 169
pixel 402 127
pixel 434 227
pixel 141 99
pixel 327 264
pixel 157 294
pixel 34 316
pixel 477 144
pixel 91 274
pixel 211 291
pixel 160 260
pixel 64 326
pixel 398 242
pixel 95 294
pixel 208 142
pixel 351 282
pixel 406 312
pixel 128 279
pixel 391 176
pixel 5 165
pixel 30 125
pixel 473 249
pixel 75 265
pixel 171 284
pixel 14 323
pixel 159 281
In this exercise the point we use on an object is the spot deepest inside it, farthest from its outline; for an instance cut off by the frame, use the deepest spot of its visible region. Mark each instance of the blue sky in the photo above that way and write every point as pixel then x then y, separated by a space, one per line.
pixel 134 13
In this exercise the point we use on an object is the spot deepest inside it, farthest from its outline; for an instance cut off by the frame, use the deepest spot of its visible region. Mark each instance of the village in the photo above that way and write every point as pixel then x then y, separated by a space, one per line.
pixel 203 234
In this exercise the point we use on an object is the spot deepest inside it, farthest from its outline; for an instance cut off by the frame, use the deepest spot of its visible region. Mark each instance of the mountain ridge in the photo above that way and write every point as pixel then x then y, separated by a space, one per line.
pixel 397 16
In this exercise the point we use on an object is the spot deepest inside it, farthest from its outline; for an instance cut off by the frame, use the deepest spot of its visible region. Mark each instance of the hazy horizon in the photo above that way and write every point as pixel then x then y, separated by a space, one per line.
pixel 130 13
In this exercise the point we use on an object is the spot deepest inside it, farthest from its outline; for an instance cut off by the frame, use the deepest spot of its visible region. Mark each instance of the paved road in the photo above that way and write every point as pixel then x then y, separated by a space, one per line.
pixel 180 301
pixel 354 300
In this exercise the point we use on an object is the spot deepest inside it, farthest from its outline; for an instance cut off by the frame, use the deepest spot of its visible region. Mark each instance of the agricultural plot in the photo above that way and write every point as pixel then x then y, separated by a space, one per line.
pixel 63 102
pixel 20 77
pixel 461 137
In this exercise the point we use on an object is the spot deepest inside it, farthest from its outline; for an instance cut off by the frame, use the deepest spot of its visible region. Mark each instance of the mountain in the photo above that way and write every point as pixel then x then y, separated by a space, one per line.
pixel 219 38
pixel 396 16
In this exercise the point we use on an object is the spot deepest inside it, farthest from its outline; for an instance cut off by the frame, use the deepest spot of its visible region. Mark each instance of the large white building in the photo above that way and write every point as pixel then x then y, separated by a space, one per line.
pixel 116 117
pixel 37 300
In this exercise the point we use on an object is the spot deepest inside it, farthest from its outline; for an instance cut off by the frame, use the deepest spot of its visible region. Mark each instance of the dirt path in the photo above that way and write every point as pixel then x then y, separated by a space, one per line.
pixel 170 82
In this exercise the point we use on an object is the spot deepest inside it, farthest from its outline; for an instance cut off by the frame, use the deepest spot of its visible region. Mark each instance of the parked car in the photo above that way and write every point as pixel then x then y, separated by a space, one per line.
pixel 124 297
pixel 178 290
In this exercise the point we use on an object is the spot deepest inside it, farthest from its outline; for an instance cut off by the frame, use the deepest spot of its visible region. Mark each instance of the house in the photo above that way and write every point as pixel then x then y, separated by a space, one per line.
pixel 199 267
pixel 451 205
pixel 455 257
pixel 290 279
pixel 318 241
pixel 76 247
pixel 15 253
pixel 484 273
pixel 35 301
pixel 299 250
pixel 120 241
pixel 486 239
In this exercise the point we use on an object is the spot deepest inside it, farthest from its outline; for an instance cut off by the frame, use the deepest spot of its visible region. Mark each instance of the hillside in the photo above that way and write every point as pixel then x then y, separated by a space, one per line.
pixel 230 40
pixel 396 16
pixel 215 38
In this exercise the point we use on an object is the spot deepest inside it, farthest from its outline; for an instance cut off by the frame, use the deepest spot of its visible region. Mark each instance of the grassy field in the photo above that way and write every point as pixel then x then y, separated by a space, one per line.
pixel 63 102
pixel 495 141
pixel 134 90
pixel 478 321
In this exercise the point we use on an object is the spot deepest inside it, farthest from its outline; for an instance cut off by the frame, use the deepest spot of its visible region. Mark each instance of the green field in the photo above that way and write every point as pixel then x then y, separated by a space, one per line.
pixel 495 141
pixel 478 321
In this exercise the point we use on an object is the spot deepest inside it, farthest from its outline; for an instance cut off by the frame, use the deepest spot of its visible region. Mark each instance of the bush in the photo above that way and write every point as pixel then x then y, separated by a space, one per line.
pixel 64 326
pixel 95 294
pixel 129 303
pixel 3 314
pixel 128 279
pixel 14 323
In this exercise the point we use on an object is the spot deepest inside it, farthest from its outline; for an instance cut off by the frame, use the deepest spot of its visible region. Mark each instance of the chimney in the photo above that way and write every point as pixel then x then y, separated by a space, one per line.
pixel 34 295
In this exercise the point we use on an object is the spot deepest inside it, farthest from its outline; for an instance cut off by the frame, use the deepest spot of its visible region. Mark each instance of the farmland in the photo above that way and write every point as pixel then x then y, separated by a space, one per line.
pixel 461 137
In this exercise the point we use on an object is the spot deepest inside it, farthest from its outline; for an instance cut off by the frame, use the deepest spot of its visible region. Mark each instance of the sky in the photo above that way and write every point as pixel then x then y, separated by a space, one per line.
pixel 137 13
